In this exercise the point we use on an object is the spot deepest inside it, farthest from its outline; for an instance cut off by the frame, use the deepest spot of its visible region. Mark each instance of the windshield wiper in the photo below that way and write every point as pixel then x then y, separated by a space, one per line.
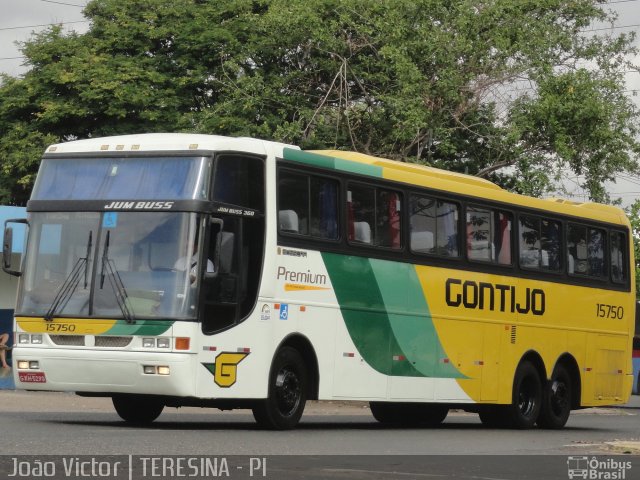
pixel 68 287
pixel 115 281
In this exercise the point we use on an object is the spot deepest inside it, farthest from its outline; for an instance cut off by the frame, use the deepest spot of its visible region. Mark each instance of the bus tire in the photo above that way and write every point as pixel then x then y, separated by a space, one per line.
pixel 494 416
pixel 386 412
pixel 526 401
pixel 283 407
pixel 556 400
pixel 137 409
pixel 409 414
pixel 431 415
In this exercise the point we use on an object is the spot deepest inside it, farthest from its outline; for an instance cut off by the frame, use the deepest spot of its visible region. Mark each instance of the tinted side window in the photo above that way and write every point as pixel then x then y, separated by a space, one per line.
pixel 374 216
pixel 539 243
pixel 307 205
pixel 293 203
pixel 489 235
pixel 239 181
pixel 434 226
pixel 619 257
pixel 585 251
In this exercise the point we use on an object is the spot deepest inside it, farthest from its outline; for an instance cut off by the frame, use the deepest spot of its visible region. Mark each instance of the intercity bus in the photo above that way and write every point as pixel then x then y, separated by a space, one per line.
pixel 192 270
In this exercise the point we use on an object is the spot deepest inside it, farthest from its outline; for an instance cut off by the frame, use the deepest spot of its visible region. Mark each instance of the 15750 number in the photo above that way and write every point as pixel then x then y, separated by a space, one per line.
pixel 60 327
pixel 604 310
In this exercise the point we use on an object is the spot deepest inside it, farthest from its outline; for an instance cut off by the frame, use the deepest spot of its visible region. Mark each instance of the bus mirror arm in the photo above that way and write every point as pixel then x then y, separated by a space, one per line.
pixel 7 246
pixel 218 246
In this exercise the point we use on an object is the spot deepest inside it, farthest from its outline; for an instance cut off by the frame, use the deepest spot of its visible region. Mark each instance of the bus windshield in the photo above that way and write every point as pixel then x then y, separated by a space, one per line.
pixel 144 178
pixel 111 265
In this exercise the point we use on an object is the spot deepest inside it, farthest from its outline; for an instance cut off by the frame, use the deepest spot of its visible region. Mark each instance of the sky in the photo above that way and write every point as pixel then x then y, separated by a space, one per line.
pixel 21 18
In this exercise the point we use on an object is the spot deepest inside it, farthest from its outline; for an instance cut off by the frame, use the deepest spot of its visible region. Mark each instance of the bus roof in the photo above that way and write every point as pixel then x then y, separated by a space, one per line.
pixel 458 183
pixel 161 142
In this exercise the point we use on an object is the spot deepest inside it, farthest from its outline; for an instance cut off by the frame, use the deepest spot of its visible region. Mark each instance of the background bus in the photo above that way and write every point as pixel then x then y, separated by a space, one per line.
pixel 334 275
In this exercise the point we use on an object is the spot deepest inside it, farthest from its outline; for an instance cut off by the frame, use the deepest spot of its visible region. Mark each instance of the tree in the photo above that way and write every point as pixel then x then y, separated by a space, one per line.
pixel 633 212
pixel 426 81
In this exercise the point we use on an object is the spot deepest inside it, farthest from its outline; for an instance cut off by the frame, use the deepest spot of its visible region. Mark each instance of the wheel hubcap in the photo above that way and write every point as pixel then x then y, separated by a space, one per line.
pixel 526 399
pixel 559 397
pixel 288 391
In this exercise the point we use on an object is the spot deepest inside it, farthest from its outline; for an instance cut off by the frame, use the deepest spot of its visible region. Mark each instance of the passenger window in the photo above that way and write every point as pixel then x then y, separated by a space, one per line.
pixel 539 243
pixel 618 257
pixel 489 235
pixel 293 203
pixel 434 226
pixel 308 205
pixel 585 251
pixel 373 216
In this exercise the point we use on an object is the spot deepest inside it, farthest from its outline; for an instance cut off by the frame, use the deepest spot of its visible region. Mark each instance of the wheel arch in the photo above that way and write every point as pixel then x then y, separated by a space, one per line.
pixel 536 359
pixel 302 344
pixel 571 365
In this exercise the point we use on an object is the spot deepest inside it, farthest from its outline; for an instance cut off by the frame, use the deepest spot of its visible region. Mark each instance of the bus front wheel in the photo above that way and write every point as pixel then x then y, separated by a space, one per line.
pixel 137 409
pixel 556 400
pixel 283 407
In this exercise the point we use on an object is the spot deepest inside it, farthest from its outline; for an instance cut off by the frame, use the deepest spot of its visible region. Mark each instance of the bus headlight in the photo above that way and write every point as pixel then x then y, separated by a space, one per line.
pixel 164 343
pixel 148 342
pixel 26 339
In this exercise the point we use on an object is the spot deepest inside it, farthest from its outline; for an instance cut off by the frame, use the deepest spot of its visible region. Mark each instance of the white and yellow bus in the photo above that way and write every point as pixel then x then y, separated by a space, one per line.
pixel 192 270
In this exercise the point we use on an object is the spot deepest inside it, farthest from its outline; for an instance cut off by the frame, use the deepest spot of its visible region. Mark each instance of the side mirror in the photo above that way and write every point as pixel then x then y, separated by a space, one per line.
pixel 7 246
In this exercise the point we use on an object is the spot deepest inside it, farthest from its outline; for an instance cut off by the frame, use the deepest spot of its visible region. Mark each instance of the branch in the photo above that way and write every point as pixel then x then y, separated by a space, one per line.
pixel 492 168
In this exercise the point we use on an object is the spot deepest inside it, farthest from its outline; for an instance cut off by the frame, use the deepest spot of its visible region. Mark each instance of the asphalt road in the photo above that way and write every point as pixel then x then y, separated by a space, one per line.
pixel 64 424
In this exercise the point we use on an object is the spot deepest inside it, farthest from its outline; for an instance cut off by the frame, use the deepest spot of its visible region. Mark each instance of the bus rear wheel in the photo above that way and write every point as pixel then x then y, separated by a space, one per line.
pixel 526 402
pixel 557 399
pixel 137 409
pixel 285 404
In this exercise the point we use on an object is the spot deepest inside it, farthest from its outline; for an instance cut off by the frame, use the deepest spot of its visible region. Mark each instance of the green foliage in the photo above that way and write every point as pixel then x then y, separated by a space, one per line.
pixel 495 88
pixel 633 212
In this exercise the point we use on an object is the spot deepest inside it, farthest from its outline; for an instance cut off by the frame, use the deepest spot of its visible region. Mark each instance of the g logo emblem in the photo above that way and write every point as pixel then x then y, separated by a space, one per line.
pixel 225 368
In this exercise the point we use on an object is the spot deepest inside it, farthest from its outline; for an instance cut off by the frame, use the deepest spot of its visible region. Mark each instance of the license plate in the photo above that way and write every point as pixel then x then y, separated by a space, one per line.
pixel 32 377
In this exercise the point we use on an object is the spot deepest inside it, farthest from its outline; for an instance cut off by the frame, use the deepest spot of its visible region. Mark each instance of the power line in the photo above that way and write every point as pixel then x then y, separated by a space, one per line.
pixel 63 3
pixel 43 25
pixel 610 28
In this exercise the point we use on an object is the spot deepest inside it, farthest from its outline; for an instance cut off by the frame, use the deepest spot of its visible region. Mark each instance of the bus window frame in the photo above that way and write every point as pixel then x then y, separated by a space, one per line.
pixel 605 277
pixel 563 254
pixel 406 255
pixel 492 208
pixel 388 187
pixel 417 194
pixel 339 212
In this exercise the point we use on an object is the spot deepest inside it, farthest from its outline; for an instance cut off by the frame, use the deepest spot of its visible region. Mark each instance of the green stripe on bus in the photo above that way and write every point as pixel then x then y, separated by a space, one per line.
pixel 387 317
pixel 331 163
pixel 140 327
pixel 410 318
